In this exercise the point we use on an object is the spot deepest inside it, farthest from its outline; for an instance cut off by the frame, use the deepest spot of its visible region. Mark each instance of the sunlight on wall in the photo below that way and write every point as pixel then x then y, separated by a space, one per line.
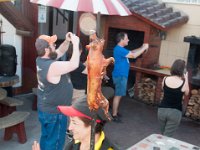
pixel 174 47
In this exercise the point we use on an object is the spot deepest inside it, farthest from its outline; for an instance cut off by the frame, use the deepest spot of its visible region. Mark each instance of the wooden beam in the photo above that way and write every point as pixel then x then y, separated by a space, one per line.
pixel 24 33
pixel 15 17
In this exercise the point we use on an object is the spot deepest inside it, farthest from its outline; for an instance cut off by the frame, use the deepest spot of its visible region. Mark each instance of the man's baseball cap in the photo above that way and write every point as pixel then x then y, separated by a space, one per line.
pixel 43 41
pixel 79 108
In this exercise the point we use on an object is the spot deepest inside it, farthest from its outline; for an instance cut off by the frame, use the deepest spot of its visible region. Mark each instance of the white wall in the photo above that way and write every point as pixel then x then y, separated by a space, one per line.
pixel 174 47
pixel 10 37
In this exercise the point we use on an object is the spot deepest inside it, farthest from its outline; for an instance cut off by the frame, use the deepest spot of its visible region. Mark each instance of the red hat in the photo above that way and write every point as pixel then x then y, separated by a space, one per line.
pixel 80 109
pixel 49 39
pixel 43 41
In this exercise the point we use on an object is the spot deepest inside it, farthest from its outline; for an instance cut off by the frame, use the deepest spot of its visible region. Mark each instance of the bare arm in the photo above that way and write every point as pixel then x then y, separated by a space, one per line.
pixel 59 68
pixel 64 46
pixel 185 87
pixel 163 82
pixel 137 52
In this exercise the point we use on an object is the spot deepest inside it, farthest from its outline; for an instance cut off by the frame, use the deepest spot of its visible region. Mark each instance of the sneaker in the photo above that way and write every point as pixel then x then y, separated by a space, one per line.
pixel 116 119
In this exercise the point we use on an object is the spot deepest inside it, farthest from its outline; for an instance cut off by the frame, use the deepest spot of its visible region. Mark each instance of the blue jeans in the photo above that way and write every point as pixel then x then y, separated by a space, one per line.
pixel 53 131
pixel 120 85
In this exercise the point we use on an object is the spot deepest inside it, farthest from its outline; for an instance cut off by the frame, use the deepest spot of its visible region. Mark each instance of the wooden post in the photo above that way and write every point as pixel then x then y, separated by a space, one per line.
pixel 1 32
pixel 98 24
pixel 93 125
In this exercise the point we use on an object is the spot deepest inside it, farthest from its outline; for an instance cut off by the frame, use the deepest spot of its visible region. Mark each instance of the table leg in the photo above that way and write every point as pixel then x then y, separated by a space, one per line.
pixel 137 80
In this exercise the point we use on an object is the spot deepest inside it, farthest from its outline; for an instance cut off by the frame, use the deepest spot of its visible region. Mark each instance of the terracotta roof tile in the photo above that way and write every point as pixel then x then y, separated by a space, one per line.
pixel 156 13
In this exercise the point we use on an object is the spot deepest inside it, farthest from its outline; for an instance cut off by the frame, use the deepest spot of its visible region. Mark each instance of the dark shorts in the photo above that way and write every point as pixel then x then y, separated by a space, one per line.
pixel 120 85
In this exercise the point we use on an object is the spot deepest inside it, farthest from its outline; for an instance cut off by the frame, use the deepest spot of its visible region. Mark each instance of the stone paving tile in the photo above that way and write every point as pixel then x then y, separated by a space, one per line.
pixel 139 121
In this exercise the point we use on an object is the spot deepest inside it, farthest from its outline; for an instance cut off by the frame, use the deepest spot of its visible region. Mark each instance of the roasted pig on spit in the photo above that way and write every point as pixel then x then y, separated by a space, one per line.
pixel 96 65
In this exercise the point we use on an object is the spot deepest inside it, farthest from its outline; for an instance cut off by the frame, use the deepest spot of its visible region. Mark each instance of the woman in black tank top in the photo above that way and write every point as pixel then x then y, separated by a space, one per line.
pixel 170 108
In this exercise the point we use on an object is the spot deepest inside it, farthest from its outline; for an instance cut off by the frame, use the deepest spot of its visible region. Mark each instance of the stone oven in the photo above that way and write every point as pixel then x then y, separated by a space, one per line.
pixel 136 40
pixel 149 22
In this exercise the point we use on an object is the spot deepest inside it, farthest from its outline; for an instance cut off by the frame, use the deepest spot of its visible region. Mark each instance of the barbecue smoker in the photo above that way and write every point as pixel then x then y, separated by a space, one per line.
pixel 193 60
pixel 193 67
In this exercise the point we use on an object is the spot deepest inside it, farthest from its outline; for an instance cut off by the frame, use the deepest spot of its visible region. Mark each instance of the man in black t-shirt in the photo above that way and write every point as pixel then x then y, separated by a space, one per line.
pixel 79 77
pixel 79 81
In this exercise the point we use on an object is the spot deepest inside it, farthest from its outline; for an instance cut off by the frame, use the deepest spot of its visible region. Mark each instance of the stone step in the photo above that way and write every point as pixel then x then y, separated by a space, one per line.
pixel 11 102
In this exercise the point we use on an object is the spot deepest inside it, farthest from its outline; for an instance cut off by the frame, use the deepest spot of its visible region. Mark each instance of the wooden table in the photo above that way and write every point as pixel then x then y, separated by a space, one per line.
pixel 12 120
pixel 7 82
pixel 160 142
pixel 160 74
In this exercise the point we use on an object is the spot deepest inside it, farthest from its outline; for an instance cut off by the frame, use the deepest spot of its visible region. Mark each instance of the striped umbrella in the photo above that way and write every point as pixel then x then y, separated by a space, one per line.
pixel 5 0
pixel 99 7
pixel 104 7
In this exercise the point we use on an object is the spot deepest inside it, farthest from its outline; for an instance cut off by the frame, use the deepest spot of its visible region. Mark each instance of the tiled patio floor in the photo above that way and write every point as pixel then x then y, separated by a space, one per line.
pixel 139 121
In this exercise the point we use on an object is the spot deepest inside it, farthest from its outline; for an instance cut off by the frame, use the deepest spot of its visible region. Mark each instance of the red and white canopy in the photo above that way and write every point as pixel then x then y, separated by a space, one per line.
pixel 105 7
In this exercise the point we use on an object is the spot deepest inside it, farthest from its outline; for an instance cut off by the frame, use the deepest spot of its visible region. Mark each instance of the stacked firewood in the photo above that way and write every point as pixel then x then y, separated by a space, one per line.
pixel 193 108
pixel 146 90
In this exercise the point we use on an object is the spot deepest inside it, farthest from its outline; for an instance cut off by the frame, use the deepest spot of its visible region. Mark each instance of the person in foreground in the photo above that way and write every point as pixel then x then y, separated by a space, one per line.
pixel 121 69
pixel 80 126
pixel 170 108
pixel 54 88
